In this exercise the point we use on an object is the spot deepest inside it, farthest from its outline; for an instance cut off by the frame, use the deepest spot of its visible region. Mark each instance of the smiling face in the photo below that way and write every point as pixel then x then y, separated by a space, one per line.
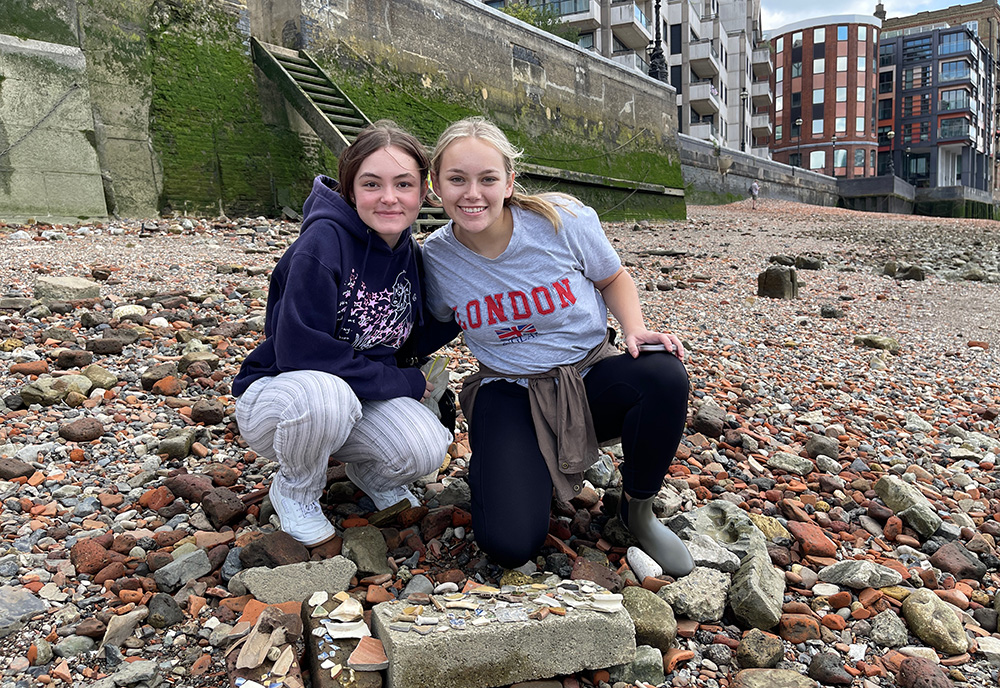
pixel 388 192
pixel 473 183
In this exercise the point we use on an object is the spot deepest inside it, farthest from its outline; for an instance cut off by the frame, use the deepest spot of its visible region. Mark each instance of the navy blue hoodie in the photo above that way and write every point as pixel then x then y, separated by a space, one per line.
pixel 342 302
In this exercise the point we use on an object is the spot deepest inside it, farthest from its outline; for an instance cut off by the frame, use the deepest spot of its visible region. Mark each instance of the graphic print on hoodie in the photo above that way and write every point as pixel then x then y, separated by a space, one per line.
pixel 376 317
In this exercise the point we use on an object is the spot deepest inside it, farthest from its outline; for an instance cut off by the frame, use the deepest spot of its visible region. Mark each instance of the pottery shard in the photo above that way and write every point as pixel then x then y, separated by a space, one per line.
pixel 87 556
pixel 82 430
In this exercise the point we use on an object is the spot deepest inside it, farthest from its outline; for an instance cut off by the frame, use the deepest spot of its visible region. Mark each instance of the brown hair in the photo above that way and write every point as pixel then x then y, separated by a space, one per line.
pixel 380 134
pixel 484 130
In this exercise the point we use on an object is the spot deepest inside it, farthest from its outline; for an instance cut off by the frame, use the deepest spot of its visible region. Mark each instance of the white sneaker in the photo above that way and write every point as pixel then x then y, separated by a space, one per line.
pixel 383 498
pixel 304 522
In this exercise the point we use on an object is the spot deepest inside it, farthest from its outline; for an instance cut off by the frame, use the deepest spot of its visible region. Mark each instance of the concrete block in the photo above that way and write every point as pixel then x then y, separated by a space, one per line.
pixel 486 638
pixel 757 592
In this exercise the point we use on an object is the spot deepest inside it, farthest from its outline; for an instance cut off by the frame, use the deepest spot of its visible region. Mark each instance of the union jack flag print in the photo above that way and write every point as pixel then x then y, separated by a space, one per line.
pixel 517 333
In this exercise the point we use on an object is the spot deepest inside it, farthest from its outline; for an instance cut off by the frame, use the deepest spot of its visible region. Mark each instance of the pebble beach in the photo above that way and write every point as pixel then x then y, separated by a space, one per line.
pixel 845 441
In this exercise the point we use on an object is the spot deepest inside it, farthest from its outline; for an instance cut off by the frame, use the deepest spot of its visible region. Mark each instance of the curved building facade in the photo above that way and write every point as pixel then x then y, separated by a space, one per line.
pixel 824 85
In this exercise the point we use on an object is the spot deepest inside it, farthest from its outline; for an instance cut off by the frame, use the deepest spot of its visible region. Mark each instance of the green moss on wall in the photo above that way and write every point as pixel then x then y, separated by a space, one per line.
pixel 207 123
pixel 34 20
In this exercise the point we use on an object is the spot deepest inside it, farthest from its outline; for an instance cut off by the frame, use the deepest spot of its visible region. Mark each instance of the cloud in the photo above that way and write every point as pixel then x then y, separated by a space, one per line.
pixel 777 13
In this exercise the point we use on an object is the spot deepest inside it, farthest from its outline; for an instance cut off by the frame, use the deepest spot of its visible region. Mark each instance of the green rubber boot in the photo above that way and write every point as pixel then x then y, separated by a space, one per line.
pixel 656 539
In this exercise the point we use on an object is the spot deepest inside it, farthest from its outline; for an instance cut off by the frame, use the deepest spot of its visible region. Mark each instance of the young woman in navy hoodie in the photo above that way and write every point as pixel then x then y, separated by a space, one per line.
pixel 343 299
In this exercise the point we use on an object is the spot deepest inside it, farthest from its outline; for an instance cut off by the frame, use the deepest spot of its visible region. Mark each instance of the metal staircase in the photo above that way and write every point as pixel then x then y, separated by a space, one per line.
pixel 336 120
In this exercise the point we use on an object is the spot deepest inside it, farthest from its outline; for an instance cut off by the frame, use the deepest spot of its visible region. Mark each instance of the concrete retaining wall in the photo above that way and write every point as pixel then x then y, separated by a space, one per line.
pixel 705 183
pixel 49 167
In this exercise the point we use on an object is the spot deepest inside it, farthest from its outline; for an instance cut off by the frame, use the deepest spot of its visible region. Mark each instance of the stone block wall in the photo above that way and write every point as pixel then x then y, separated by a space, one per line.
pixel 48 164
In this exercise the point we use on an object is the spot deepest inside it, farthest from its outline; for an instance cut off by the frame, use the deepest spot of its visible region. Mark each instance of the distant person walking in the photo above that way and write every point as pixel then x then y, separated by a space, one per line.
pixel 754 193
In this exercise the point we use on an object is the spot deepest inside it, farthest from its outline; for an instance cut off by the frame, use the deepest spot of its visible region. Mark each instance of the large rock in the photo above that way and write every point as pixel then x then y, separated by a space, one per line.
pixel 759 650
pixel 180 571
pixel 955 559
pixel 66 288
pixel 647 667
pixel 51 390
pixel 725 523
pixel 821 445
pixel 296 582
pixel 772 678
pixel 888 630
pixel 502 652
pixel 653 618
pixel 700 596
pixel 273 550
pixel 757 591
pixel 859 574
pixel 791 463
pixel 933 621
pixel 909 504
pixel 17 605
pixel 778 282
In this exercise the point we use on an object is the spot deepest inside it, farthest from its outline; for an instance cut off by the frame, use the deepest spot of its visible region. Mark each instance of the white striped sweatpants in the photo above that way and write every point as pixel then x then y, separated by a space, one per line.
pixel 301 417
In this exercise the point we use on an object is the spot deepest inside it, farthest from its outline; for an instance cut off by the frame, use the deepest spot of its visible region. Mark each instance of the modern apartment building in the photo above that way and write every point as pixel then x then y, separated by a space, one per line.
pixel 936 106
pixel 715 59
pixel 983 20
pixel 824 81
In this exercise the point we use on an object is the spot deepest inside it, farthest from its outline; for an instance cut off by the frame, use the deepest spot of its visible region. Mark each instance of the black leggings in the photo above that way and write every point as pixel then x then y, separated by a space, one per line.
pixel 642 400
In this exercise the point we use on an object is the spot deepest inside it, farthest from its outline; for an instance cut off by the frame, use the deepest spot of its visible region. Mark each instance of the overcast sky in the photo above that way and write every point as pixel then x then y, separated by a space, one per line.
pixel 777 13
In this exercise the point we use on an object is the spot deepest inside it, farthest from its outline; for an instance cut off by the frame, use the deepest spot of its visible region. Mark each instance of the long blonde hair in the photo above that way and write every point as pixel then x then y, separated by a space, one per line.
pixel 544 204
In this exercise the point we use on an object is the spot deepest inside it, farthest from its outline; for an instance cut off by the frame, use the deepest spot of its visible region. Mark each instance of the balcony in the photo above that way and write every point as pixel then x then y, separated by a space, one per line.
pixel 703 97
pixel 761 62
pixel 761 152
pixel 631 26
pixel 704 58
pixel 584 15
pixel 760 94
pixel 760 125
pixel 632 60
pixel 954 130
pixel 704 130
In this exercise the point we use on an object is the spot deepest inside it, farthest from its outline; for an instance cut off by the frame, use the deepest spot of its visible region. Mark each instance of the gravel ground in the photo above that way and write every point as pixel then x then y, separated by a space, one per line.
pixel 773 373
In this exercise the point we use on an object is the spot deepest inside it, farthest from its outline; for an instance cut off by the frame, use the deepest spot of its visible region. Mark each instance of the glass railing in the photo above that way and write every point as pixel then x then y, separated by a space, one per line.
pixel 954 129
pixel 631 60
pixel 954 104
pixel 563 7
pixel 951 47
pixel 640 17
pixel 949 73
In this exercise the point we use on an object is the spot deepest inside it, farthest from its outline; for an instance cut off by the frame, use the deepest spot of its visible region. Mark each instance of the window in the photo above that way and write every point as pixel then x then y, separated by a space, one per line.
pixel 817 160
pixel 675 39
pixel 955 99
pixel 915 132
pixel 675 77
pixel 917 105
pixel 777 132
pixel 779 45
pixel 859 125
pixel 817 95
pixel 862 33
pixel 871 160
pixel 953 43
pixel 817 127
pixel 797 39
pixel 586 40
pixel 956 128
pixel 972 26
pixel 796 130
pixel 916 77
pixel 842 64
pixel 956 69
pixel 885 108
pixel 887 55
pixel 819 65
pixel 859 94
pixel 839 158
pixel 779 75
pixel 841 94
pixel 883 135
pixel 796 69
pixel 797 99
pixel 861 63
pixel 779 103
pixel 819 35
pixel 841 33
pixel 841 123
pixel 859 157
pixel 916 49
pixel 885 82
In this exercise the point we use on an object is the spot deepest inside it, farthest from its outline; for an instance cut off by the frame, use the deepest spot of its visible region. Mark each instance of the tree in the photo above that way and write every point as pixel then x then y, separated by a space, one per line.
pixel 544 16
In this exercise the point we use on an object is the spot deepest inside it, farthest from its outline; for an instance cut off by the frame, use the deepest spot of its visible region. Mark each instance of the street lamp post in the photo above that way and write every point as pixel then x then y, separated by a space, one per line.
pixel 743 112
pixel 833 156
pixel 906 165
pixel 657 63
pixel 892 165
pixel 798 140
